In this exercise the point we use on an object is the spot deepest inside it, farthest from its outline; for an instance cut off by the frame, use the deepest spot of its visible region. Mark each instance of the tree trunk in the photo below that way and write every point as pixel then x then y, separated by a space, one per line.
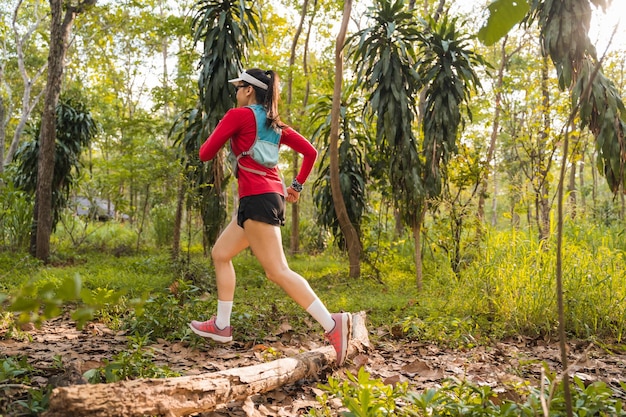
pixel 544 165
pixel 29 81
pixel 417 236
pixel 347 228
pixel 594 182
pixel 60 27
pixel 2 130
pixel 494 201
pixel 294 241
pixel 581 180
pixel 571 189
pixel 197 393
pixel 178 220
pixel 494 132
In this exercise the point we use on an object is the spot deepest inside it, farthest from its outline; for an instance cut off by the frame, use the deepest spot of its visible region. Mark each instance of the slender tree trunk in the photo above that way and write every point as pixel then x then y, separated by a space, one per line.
pixel 571 189
pixel 417 236
pixel 494 132
pixel 29 81
pixel 421 111
pixel 294 241
pixel 544 189
pixel 178 220
pixel 494 200
pixel 594 183
pixel 2 130
pixel 347 228
pixel 164 55
pixel 622 202
pixel 559 274
pixel 581 181
pixel 143 215
pixel 59 36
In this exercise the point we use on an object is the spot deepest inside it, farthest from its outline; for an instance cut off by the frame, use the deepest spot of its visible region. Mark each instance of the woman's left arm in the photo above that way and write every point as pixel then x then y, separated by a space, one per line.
pixel 300 144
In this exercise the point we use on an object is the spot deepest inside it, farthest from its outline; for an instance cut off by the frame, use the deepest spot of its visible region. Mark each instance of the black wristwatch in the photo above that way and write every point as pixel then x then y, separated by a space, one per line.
pixel 296 185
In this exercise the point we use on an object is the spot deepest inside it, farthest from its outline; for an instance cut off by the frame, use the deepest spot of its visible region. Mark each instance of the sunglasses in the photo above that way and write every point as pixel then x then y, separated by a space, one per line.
pixel 237 87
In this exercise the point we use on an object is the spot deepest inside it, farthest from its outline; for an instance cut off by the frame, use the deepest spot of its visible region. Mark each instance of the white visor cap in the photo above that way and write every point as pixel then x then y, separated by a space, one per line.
pixel 245 77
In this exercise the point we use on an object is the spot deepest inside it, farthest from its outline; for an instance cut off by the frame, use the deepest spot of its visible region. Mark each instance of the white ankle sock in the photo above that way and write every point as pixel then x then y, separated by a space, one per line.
pixel 319 312
pixel 224 309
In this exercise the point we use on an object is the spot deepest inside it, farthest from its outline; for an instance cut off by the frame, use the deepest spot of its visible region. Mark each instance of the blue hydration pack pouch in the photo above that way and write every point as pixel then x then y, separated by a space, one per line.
pixel 265 148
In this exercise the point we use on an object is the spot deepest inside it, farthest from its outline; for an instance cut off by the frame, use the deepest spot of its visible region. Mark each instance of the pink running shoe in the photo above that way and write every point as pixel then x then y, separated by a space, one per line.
pixel 210 330
pixel 339 336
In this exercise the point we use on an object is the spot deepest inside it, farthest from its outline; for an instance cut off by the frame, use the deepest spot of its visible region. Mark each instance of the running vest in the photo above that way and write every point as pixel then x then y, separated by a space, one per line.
pixel 264 150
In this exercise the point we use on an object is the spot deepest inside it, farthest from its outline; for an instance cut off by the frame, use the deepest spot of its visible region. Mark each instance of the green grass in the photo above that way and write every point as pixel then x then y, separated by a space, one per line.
pixel 135 273
pixel 508 289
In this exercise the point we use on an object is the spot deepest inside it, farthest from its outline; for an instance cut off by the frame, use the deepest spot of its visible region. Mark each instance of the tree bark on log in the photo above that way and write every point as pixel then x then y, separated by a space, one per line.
pixel 185 395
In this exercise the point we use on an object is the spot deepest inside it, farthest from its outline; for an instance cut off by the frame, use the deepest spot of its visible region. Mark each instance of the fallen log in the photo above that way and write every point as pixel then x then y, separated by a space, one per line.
pixel 186 395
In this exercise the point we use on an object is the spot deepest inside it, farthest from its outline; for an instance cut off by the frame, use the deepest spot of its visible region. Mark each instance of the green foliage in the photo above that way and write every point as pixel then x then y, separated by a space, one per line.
pixel 75 128
pixel 363 396
pixel 110 237
pixel 162 217
pixel 445 331
pixel 16 374
pixel 511 289
pixel 506 289
pixel 137 361
pixel 399 60
pixel 603 111
pixel 353 146
pixel 367 397
pixel 564 35
pixel 448 71
pixel 226 29
pixel 166 315
pixel 503 15
pixel 16 216
pixel 39 301
pixel 385 58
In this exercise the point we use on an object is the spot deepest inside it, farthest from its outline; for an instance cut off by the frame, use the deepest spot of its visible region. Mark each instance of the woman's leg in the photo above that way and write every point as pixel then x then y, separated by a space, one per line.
pixel 231 242
pixel 266 244
pixel 228 244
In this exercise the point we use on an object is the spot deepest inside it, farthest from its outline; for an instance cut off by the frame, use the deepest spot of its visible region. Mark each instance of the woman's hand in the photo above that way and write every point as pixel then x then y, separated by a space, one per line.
pixel 292 195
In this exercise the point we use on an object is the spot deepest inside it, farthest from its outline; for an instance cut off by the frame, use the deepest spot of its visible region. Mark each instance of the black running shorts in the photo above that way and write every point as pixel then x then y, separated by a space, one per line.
pixel 267 208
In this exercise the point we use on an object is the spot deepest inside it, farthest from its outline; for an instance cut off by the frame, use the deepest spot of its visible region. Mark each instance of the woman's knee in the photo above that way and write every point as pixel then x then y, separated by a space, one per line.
pixel 219 255
pixel 280 276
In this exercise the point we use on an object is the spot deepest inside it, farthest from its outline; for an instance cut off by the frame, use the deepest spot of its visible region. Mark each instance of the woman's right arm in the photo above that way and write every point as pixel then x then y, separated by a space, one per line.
pixel 224 130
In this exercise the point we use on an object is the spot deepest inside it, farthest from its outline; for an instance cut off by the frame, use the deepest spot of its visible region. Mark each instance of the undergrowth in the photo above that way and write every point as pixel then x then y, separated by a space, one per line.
pixel 508 290
pixel 364 396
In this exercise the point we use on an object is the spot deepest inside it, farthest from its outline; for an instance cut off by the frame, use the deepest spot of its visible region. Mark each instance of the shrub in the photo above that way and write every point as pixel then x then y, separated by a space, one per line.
pixel 16 217
pixel 162 224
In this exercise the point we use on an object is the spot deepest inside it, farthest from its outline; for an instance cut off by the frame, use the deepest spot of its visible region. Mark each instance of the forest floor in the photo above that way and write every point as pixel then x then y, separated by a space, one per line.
pixel 502 365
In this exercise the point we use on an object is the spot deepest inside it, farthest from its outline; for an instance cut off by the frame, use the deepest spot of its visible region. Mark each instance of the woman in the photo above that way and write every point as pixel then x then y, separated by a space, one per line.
pixel 261 208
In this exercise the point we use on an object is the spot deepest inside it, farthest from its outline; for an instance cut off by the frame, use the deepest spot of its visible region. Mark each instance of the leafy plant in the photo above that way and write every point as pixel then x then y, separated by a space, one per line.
pixel 162 224
pixel 135 362
pixel 352 166
pixel 166 315
pixel 364 396
pixel 36 302
pixel 15 376
pixel 446 331
pixel 15 216
pixel 75 128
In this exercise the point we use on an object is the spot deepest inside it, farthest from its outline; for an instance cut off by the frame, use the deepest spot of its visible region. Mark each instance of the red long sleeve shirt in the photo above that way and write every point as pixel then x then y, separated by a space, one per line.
pixel 239 125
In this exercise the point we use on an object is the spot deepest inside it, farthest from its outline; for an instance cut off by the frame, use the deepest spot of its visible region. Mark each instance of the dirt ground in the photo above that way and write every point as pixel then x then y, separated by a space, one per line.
pixel 500 366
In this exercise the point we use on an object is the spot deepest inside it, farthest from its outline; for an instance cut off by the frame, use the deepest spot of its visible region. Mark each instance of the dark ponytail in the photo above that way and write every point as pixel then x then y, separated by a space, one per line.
pixel 268 98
